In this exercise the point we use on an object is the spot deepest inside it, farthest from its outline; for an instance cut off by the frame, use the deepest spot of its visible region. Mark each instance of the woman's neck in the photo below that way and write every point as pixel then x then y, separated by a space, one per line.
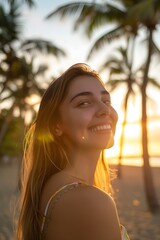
pixel 82 166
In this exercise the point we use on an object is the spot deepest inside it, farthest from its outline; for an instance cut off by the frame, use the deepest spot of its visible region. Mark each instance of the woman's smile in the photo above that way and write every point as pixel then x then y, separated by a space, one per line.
pixel 101 128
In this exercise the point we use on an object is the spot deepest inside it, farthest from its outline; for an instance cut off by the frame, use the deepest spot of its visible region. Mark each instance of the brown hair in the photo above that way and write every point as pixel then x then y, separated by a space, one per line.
pixel 44 155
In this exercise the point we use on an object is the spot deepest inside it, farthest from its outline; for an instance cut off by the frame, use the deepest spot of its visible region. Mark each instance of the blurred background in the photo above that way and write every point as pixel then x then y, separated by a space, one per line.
pixel 121 40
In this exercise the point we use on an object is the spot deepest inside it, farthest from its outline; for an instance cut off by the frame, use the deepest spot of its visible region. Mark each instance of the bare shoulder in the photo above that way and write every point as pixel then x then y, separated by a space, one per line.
pixel 95 204
pixel 88 213
pixel 91 197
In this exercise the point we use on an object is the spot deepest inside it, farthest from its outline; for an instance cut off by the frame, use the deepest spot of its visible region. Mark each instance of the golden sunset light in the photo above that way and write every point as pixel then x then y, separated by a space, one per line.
pixel 76 77
pixel 132 143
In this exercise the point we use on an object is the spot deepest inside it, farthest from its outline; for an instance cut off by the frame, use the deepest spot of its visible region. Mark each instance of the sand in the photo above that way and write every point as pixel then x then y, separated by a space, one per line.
pixel 8 199
pixel 129 197
pixel 132 205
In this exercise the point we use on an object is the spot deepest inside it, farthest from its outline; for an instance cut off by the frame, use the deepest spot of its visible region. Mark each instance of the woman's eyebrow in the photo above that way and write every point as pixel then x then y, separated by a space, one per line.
pixel 103 92
pixel 81 94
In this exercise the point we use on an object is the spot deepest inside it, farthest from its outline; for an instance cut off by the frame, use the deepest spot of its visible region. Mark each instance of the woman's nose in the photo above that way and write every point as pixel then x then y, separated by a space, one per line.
pixel 103 110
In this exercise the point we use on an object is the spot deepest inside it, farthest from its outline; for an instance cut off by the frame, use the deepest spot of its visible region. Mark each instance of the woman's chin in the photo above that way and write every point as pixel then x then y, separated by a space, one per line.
pixel 109 144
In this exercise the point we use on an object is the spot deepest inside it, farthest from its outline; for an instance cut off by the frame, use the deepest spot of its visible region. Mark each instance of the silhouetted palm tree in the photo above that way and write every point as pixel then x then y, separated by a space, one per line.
pixel 25 85
pixel 11 44
pixel 147 13
pixel 17 73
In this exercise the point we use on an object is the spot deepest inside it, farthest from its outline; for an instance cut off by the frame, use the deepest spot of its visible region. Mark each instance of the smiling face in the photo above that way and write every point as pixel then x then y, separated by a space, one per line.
pixel 87 119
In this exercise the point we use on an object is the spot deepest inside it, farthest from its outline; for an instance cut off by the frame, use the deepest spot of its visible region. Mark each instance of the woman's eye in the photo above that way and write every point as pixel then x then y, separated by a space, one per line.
pixel 85 103
pixel 107 102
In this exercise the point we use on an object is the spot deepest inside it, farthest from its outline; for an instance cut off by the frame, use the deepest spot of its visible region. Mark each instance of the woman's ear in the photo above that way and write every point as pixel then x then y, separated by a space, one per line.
pixel 58 130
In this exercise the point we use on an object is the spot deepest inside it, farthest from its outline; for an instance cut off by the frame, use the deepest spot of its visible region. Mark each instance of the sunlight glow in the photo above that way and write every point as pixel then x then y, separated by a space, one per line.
pixel 132 149
pixel 33 100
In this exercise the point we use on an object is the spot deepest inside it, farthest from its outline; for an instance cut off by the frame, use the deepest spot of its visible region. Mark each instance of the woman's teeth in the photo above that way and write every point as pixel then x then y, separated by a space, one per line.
pixel 101 127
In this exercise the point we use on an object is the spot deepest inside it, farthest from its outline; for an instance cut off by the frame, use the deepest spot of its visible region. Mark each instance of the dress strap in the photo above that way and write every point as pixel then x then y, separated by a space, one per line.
pixel 56 196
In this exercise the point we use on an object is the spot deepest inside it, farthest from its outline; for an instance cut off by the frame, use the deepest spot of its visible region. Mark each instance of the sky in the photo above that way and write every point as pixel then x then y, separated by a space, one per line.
pixel 77 46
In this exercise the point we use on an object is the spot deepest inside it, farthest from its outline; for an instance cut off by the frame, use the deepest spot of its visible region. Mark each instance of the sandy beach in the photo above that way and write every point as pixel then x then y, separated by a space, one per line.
pixel 129 196
pixel 132 206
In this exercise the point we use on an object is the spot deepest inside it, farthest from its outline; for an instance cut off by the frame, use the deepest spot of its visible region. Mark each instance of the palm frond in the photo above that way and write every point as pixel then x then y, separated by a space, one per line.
pixel 41 69
pixel 154 83
pixel 106 38
pixel 124 57
pixel 10 23
pixel 42 46
pixel 127 3
pixel 97 15
pixel 30 3
pixel 138 11
pixel 68 9
pixel 93 17
pixel 115 14
pixel 155 49
pixel 111 62
pixel 113 84
pixel 116 69
pixel 89 13
pixel 120 61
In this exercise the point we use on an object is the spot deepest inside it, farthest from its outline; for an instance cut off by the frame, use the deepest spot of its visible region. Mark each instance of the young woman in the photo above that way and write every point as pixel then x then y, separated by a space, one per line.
pixel 66 186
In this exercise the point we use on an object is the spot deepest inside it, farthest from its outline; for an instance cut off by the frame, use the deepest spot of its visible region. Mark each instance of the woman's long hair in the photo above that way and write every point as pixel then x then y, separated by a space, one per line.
pixel 44 155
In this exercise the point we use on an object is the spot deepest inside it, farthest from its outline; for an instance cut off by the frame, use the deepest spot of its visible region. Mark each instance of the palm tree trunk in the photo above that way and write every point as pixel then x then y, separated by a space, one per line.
pixel 119 174
pixel 148 178
pixel 21 140
pixel 130 40
pixel 6 122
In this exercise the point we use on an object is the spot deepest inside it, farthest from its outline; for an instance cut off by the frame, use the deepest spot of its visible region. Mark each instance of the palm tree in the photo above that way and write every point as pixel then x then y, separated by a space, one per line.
pixel 11 44
pixel 22 84
pixel 148 14
pixel 17 74
pixel 128 17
